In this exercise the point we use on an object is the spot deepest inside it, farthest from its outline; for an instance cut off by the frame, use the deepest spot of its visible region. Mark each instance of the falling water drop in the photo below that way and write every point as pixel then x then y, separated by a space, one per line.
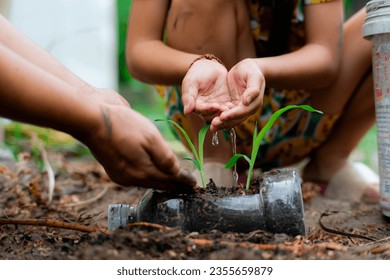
pixel 215 140
pixel 232 134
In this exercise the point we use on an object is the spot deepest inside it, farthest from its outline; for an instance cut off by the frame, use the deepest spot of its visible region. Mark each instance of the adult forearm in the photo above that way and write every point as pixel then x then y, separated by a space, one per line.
pixel 21 45
pixel 32 95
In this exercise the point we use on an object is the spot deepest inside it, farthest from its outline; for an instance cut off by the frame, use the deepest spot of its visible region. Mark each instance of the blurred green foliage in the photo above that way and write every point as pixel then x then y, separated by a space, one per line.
pixel 123 7
pixel 21 137
pixel 348 7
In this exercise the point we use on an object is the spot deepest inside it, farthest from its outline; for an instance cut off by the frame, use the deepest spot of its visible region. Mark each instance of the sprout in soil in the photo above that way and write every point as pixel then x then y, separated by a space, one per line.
pixel 257 139
pixel 198 155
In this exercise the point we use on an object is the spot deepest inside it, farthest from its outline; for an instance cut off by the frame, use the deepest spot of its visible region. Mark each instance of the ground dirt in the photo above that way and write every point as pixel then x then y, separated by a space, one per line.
pixel 83 193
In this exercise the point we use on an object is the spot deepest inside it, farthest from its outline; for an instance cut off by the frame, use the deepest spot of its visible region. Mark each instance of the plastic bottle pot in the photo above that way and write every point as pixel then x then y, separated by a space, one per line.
pixel 277 208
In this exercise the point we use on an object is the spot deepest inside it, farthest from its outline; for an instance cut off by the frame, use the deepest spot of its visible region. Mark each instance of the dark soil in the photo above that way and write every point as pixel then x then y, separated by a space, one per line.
pixel 83 193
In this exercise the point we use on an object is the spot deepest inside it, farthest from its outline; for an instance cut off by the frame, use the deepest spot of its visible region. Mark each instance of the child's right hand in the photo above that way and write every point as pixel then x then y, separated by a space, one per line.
pixel 205 90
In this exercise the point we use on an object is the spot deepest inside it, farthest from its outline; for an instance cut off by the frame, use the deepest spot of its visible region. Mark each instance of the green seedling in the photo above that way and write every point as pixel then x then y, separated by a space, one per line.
pixel 258 137
pixel 198 155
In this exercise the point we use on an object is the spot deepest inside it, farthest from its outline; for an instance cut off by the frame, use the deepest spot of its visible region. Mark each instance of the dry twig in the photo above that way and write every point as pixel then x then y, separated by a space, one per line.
pixel 334 231
pixel 150 225
pixel 52 223
pixel 375 247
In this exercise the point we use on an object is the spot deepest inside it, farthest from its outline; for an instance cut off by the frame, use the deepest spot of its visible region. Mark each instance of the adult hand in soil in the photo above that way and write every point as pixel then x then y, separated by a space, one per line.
pixel 205 90
pixel 134 153
pixel 246 87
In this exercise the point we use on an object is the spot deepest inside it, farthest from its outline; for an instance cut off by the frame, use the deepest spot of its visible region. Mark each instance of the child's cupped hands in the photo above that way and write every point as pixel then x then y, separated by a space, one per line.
pixel 223 98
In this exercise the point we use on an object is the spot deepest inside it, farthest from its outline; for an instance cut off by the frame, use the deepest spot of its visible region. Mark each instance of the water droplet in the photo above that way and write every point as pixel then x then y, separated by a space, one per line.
pixel 215 140
pixel 232 134
pixel 235 177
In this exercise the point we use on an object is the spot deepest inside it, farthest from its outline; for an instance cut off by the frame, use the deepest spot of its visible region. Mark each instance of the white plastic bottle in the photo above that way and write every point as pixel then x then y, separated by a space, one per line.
pixel 377 29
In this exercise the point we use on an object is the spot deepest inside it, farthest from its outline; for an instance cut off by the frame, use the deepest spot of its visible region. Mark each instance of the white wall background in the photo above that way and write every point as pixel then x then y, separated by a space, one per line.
pixel 82 34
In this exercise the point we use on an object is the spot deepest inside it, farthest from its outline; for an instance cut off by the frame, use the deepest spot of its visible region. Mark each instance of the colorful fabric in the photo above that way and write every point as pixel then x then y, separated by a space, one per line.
pixel 309 2
pixel 292 137
pixel 277 26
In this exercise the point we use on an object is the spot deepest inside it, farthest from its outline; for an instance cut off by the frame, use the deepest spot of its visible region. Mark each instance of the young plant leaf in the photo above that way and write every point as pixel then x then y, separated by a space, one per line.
pixel 201 137
pixel 192 147
pixel 257 138
pixel 194 162
pixel 198 155
pixel 235 158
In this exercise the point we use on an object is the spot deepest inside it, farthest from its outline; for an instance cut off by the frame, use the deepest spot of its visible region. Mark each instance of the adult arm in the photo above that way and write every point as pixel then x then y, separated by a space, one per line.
pixel 127 144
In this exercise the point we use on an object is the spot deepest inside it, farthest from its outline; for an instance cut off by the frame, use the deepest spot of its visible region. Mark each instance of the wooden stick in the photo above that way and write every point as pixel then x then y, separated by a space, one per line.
pixel 151 225
pixel 52 223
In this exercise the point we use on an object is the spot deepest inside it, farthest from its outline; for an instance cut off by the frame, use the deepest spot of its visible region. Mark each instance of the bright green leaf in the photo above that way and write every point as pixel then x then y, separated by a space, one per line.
pixel 235 158
pixel 198 161
pixel 258 138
